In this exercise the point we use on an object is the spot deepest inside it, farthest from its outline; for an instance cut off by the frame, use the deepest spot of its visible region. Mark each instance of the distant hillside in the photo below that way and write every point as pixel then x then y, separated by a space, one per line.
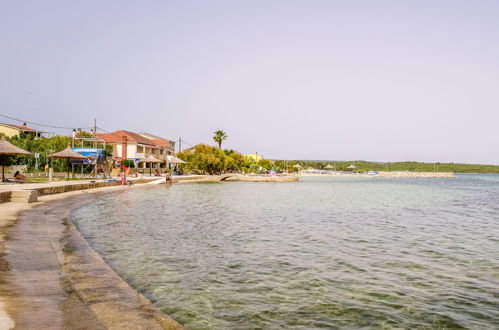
pixel 363 166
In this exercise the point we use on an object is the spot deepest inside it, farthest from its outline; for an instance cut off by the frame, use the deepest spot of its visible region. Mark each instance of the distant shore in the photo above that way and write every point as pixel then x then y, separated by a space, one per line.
pixel 400 174
pixel 236 177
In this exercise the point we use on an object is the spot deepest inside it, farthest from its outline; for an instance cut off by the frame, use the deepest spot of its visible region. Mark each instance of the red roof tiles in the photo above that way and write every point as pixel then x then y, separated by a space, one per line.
pixel 21 128
pixel 122 136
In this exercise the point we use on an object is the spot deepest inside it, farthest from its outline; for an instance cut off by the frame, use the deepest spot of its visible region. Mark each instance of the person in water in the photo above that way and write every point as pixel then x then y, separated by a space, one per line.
pixel 169 178
pixel 123 178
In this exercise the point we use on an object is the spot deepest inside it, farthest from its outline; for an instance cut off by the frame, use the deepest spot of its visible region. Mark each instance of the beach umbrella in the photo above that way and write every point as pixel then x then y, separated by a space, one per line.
pixel 175 160
pixel 7 148
pixel 328 167
pixel 68 154
pixel 352 167
pixel 151 159
pixel 297 166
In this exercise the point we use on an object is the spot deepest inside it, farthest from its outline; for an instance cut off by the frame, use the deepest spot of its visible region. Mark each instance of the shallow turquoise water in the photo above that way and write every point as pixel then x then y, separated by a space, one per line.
pixel 321 253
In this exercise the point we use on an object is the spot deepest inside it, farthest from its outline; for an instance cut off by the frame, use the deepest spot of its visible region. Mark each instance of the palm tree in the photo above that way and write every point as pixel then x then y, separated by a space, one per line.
pixel 219 137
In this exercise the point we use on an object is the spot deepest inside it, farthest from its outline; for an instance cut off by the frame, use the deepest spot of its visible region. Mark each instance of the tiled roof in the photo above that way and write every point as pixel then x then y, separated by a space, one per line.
pixel 117 137
pixel 159 140
pixel 163 143
pixel 21 128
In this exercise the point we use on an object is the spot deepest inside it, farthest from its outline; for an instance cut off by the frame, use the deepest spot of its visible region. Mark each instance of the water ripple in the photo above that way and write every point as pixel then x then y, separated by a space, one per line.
pixel 323 253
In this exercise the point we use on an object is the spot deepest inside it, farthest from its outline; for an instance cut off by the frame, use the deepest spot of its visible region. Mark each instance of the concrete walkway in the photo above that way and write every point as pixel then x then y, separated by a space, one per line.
pixel 50 278
pixel 7 186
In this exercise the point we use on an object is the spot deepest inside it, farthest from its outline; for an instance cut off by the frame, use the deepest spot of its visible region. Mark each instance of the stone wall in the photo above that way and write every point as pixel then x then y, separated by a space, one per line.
pixel 5 196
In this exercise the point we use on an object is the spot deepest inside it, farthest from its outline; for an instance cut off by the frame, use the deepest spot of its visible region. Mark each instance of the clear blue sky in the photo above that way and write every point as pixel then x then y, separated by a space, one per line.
pixel 374 80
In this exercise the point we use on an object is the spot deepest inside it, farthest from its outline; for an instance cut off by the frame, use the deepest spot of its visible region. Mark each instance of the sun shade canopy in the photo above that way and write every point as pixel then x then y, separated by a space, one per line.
pixel 176 160
pixel 7 148
pixel 151 159
pixel 68 154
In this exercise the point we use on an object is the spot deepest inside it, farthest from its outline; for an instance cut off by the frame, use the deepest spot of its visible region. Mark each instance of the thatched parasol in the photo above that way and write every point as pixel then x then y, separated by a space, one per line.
pixel 151 159
pixel 175 160
pixel 7 148
pixel 328 167
pixel 352 167
pixel 297 166
pixel 68 154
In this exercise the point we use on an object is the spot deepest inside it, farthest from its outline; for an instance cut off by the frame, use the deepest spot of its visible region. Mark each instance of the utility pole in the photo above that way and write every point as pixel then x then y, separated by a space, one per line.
pixel 179 144
pixel 95 133
pixel 51 168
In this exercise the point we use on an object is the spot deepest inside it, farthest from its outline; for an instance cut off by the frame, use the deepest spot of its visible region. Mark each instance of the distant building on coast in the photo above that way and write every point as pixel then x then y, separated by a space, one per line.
pixel 138 146
pixel 10 130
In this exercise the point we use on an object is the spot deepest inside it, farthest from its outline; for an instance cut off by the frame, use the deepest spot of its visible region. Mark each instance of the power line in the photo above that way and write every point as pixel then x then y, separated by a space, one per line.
pixel 63 127
pixel 43 125
pixel 103 129
pixel 184 141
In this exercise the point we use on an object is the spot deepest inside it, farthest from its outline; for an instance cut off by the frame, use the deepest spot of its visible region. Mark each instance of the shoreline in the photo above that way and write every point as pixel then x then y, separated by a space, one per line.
pixel 49 274
pixel 401 174
pixel 51 277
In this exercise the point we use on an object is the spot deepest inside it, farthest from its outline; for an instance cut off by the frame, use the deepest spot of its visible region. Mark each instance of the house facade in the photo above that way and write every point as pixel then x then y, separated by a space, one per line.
pixel 136 147
pixel 10 130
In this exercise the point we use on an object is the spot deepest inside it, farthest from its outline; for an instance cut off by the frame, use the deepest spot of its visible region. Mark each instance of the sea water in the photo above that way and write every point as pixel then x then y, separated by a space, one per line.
pixel 320 253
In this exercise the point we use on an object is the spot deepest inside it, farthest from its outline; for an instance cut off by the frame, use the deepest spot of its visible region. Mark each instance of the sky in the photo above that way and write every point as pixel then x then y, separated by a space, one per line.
pixel 334 80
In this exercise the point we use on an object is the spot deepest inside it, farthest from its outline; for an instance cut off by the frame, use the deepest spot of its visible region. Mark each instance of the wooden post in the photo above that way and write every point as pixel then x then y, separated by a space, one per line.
pixel 3 168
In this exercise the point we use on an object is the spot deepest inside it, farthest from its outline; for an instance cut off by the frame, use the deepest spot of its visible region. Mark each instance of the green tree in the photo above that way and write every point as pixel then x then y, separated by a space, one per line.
pixel 204 158
pixel 265 163
pixel 219 137
pixel 39 145
pixel 235 161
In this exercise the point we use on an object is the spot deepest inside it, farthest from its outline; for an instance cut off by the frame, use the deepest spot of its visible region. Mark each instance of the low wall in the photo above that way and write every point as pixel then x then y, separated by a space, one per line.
pixel 235 177
pixel 4 196
pixel 82 186
pixel 72 187
pixel 57 189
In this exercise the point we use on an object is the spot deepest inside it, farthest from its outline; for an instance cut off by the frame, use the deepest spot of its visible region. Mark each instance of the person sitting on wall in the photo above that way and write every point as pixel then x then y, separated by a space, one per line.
pixel 123 179
pixel 19 177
